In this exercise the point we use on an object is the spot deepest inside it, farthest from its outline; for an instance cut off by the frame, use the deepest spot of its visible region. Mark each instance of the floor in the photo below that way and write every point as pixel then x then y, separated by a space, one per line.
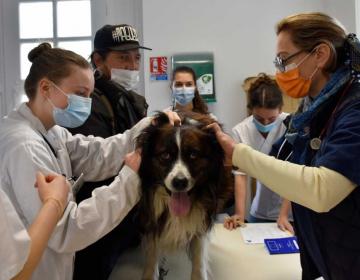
pixel 172 266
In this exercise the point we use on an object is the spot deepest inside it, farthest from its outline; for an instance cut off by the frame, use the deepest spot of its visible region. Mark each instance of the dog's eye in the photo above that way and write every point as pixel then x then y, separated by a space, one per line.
pixel 193 155
pixel 165 156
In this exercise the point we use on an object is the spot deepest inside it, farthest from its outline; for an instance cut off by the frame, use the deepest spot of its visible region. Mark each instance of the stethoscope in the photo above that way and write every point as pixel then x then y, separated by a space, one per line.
pixel 315 143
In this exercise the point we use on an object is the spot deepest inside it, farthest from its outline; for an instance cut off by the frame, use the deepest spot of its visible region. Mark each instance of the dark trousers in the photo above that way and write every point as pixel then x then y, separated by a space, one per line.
pixel 97 261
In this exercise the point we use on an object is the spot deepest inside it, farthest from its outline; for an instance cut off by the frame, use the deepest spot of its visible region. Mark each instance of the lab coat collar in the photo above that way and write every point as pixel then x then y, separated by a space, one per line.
pixel 25 111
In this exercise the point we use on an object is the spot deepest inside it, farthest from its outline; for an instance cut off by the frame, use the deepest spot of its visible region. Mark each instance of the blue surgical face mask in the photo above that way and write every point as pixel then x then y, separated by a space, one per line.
pixel 264 128
pixel 183 95
pixel 75 114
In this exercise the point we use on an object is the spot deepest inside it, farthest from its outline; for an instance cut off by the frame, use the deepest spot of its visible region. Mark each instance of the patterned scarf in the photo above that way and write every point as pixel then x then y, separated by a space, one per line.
pixel 310 107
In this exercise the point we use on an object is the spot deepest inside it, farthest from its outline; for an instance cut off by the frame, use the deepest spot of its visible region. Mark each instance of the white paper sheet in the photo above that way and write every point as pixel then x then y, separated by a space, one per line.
pixel 255 233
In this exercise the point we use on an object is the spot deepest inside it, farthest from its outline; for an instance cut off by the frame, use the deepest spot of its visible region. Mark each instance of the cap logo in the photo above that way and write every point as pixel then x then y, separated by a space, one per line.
pixel 124 33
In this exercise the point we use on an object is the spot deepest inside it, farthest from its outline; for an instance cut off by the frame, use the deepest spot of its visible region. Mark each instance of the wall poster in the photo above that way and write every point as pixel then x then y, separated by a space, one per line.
pixel 203 65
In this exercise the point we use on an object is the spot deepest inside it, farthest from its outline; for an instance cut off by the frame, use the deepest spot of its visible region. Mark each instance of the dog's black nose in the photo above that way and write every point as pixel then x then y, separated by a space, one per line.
pixel 180 183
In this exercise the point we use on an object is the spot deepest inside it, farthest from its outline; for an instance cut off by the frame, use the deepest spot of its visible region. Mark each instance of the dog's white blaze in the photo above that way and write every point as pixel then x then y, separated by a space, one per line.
pixel 178 140
pixel 179 170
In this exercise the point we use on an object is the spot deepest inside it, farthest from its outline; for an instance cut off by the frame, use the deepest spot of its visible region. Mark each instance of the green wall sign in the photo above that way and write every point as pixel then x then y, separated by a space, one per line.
pixel 203 65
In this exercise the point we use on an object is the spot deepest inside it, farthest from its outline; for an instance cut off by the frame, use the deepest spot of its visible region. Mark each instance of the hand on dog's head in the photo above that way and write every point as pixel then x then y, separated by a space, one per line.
pixel 161 120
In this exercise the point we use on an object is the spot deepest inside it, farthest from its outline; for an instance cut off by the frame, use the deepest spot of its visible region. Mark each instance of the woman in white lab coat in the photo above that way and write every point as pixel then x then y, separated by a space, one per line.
pixel 32 139
pixel 21 249
pixel 260 131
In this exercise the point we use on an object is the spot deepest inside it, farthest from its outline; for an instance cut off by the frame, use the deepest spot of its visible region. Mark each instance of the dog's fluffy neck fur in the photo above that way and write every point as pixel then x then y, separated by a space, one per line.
pixel 177 231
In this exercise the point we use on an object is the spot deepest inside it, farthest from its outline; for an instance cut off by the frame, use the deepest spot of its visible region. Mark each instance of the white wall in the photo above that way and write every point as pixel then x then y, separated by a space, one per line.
pixel 344 11
pixel 9 57
pixel 2 69
pixel 240 33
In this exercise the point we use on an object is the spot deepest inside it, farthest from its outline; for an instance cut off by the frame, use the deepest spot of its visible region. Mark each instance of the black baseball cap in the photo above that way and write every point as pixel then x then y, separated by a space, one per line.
pixel 120 37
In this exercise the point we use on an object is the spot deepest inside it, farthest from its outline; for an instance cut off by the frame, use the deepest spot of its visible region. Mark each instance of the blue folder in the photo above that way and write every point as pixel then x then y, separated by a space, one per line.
pixel 285 245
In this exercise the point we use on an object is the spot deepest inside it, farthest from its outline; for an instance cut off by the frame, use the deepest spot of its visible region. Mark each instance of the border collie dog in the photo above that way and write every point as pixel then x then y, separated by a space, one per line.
pixel 184 184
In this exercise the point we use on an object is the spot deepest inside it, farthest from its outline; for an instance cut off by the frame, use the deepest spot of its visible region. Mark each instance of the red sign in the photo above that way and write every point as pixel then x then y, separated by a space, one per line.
pixel 158 68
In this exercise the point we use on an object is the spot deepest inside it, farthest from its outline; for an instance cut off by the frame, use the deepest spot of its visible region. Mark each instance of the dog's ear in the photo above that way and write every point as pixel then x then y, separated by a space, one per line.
pixel 213 139
pixel 160 119
pixel 144 140
pixel 148 134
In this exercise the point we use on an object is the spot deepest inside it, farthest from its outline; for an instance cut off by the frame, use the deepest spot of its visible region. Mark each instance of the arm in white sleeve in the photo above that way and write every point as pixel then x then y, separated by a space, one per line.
pixel 14 242
pixel 317 188
pixel 83 224
pixel 100 158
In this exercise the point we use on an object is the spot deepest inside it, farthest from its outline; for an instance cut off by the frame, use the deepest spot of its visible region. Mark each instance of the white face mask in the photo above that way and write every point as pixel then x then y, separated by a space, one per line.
pixel 127 78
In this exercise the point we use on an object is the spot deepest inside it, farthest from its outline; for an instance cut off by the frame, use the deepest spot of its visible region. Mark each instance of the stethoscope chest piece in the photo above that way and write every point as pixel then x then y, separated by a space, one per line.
pixel 315 143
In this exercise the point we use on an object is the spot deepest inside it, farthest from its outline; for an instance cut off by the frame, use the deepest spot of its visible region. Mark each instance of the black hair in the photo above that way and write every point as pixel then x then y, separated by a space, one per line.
pixel 102 53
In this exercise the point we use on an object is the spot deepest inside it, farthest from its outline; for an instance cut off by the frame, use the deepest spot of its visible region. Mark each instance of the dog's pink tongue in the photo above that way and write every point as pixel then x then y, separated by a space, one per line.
pixel 179 203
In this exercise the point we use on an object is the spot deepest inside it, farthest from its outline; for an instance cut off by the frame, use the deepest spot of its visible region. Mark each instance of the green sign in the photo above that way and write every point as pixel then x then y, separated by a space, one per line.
pixel 203 65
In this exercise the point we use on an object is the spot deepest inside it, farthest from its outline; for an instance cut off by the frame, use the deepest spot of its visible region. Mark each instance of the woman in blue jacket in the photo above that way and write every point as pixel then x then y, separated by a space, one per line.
pixel 318 61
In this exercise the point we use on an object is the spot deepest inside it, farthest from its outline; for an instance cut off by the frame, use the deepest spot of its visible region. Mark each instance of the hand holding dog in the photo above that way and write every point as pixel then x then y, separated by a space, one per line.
pixel 133 160
pixel 226 142
pixel 173 118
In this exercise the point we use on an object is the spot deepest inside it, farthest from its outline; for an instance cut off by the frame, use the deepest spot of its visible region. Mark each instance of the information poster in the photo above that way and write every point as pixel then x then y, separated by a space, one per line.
pixel 158 68
pixel 203 65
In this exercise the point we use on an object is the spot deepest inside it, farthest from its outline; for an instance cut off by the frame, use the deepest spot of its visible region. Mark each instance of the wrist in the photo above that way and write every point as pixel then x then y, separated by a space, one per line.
pixel 240 215
pixel 57 204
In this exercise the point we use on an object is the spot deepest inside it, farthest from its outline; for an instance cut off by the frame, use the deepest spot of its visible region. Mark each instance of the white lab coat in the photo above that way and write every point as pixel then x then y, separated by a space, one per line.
pixel 14 240
pixel 266 204
pixel 23 151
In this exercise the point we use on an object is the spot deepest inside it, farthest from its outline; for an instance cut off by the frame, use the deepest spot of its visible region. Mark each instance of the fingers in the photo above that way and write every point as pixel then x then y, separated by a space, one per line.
pixel 234 222
pixel 290 228
pixel 280 226
pixel 40 179
pixel 286 226
pixel 174 118
pixel 228 224
pixel 214 127
pixel 133 160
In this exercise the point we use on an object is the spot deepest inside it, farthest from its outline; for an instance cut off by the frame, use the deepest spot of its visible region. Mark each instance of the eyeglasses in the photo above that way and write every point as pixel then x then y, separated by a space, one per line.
pixel 280 63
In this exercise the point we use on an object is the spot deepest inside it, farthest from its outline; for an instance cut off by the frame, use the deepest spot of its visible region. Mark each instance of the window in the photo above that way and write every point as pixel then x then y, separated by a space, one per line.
pixel 65 24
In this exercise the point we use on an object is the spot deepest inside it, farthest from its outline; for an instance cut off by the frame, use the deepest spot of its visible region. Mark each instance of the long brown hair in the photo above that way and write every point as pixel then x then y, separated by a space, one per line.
pixel 53 63
pixel 307 30
pixel 199 105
